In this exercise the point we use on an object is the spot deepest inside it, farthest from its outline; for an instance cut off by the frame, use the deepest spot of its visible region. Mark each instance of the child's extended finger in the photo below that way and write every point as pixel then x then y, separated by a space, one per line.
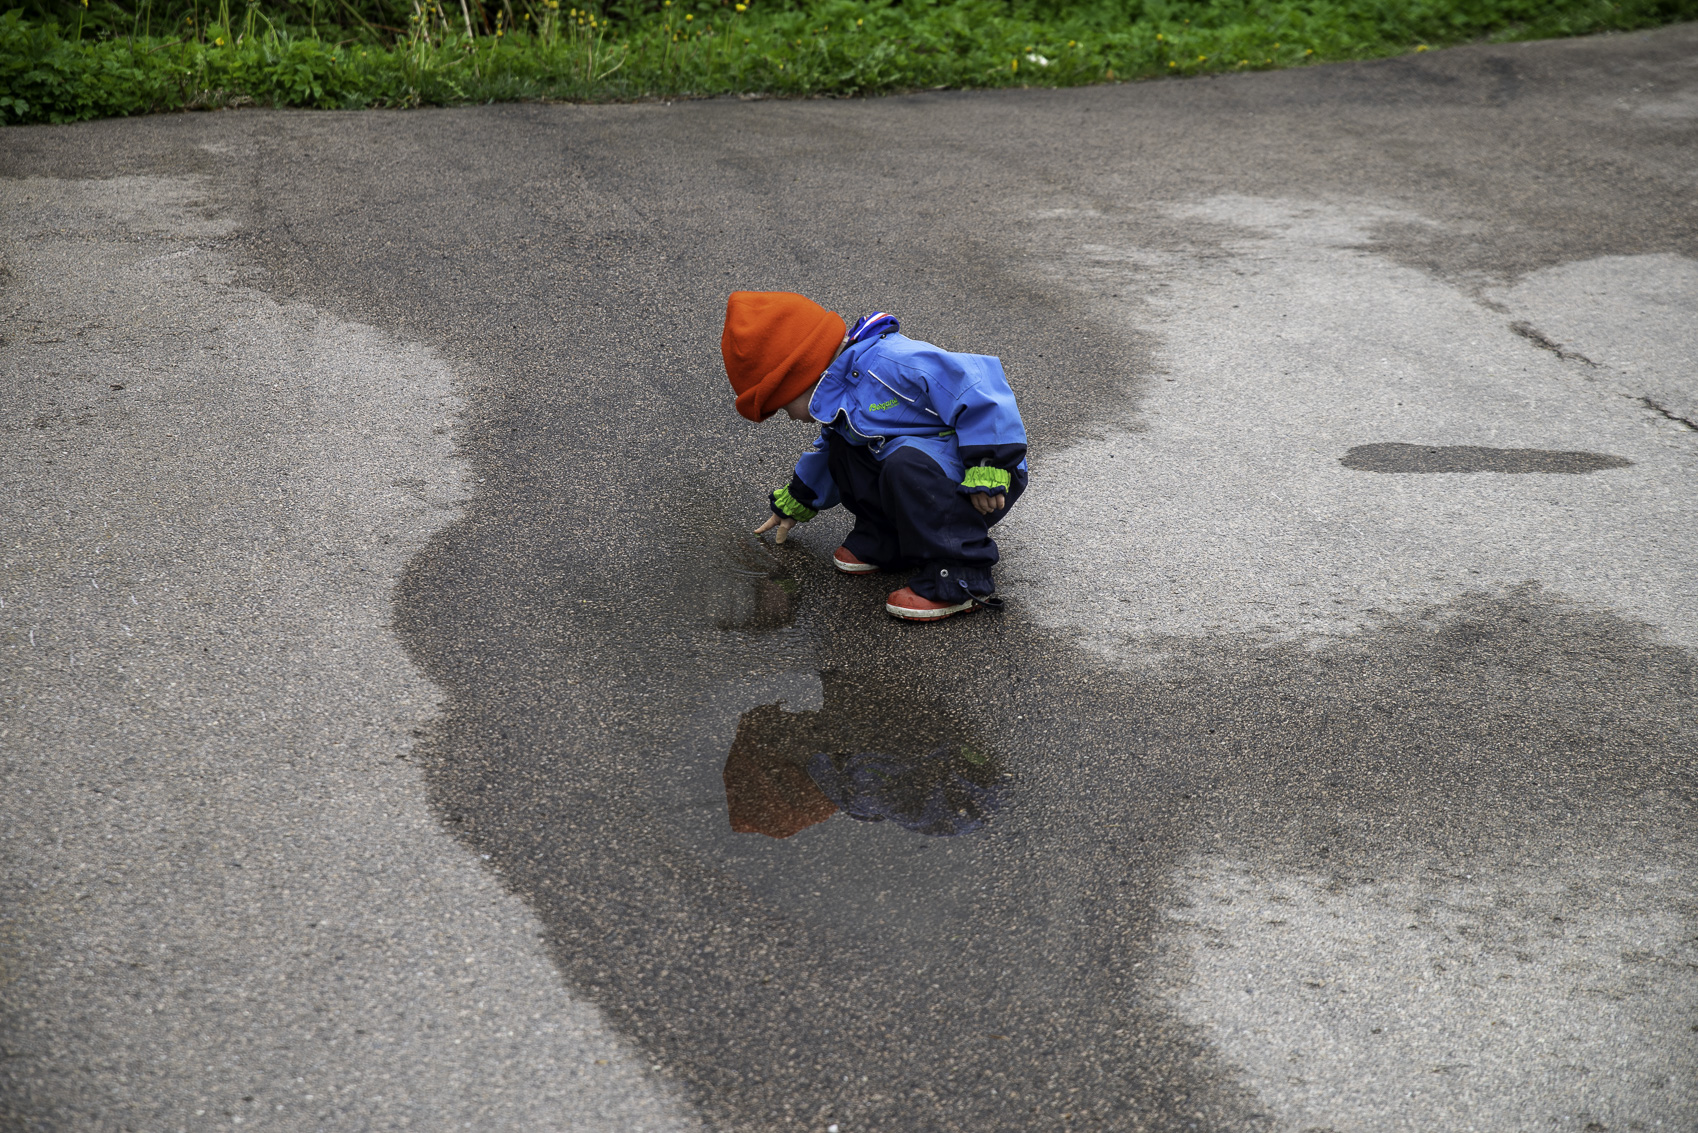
pixel 771 522
pixel 784 530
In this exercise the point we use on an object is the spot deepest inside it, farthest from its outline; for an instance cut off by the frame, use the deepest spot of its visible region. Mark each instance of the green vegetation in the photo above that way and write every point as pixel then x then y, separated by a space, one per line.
pixel 62 61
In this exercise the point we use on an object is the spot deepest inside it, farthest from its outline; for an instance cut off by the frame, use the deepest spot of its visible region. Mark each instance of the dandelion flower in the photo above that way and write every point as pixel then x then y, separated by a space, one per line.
pixel 1073 43
pixel 1422 47
pixel 742 7
pixel 1171 63
pixel 1158 35
pixel 219 41
pixel 857 23
pixel 689 16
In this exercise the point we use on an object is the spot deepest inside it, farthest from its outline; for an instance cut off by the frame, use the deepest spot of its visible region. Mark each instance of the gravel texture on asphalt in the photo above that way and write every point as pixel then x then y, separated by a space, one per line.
pixel 226 898
pixel 1225 502
pixel 1173 773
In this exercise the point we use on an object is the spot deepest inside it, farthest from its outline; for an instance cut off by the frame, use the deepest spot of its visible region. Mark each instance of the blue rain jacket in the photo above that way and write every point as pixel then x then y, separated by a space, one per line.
pixel 887 391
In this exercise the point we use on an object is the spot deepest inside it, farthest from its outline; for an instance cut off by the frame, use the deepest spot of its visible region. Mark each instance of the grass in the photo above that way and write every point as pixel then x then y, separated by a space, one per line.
pixel 62 62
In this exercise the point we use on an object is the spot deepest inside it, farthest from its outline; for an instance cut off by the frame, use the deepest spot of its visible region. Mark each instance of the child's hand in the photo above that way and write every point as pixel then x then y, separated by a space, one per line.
pixel 783 522
pixel 985 502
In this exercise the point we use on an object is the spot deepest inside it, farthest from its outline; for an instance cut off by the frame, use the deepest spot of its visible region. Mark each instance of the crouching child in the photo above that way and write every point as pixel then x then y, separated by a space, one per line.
pixel 922 445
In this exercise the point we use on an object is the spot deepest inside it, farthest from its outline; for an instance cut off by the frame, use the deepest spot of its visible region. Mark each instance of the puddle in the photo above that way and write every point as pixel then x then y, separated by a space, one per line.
pixel 842 799
pixel 1399 457
pixel 763 594
pixel 865 754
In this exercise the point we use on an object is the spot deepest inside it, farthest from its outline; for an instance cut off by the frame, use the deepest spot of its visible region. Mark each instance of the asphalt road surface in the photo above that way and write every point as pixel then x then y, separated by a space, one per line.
pixel 396 696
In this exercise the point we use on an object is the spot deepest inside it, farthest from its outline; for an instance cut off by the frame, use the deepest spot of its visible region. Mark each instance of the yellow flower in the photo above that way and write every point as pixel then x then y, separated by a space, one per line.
pixel 1202 58
pixel 689 17
pixel 1171 63
pixel 742 7
pixel 1014 64
pixel 498 32
pixel 219 41
pixel 1158 35
pixel 1423 47
pixel 1073 43
pixel 1276 47
pixel 857 23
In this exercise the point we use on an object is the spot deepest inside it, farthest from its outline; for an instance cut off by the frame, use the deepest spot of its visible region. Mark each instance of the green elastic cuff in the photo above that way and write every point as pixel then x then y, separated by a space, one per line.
pixel 984 476
pixel 787 505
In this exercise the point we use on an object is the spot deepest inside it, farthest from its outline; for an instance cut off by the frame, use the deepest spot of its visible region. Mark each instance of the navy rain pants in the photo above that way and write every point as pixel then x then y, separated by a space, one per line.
pixel 911 515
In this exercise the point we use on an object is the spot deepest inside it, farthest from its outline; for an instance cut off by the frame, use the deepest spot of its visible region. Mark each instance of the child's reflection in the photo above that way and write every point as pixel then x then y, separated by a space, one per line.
pixel 788 771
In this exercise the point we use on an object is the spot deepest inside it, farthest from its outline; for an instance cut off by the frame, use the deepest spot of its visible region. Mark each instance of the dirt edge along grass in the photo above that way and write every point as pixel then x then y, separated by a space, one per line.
pixel 465 51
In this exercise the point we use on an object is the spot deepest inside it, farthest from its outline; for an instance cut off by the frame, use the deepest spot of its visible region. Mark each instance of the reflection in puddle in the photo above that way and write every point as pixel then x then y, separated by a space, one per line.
pixel 868 755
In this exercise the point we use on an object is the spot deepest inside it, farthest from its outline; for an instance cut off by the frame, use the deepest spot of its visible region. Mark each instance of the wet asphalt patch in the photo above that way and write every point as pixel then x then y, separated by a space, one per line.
pixel 604 629
pixel 1017 978
pixel 1396 456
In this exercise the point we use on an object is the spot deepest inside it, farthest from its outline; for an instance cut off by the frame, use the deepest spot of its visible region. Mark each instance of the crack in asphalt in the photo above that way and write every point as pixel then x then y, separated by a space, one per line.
pixel 1538 338
pixel 1658 409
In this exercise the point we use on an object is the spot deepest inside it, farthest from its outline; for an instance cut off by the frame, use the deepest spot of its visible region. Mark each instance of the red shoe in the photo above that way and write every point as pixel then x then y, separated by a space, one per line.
pixel 849 564
pixel 904 603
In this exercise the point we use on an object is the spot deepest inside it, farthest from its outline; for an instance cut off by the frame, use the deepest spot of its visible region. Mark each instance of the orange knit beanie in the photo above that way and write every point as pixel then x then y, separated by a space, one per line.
pixel 776 344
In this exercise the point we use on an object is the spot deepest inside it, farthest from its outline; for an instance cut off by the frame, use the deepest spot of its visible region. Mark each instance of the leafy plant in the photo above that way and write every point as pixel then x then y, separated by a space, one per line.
pixel 175 54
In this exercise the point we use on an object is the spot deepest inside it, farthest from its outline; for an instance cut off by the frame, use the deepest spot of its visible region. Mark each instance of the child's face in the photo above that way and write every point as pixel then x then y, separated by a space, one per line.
pixel 797 407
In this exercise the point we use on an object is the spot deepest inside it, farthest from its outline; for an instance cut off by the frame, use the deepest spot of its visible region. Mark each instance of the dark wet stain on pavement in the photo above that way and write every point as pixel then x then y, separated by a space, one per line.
pixel 615 648
pixel 831 971
pixel 1400 457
